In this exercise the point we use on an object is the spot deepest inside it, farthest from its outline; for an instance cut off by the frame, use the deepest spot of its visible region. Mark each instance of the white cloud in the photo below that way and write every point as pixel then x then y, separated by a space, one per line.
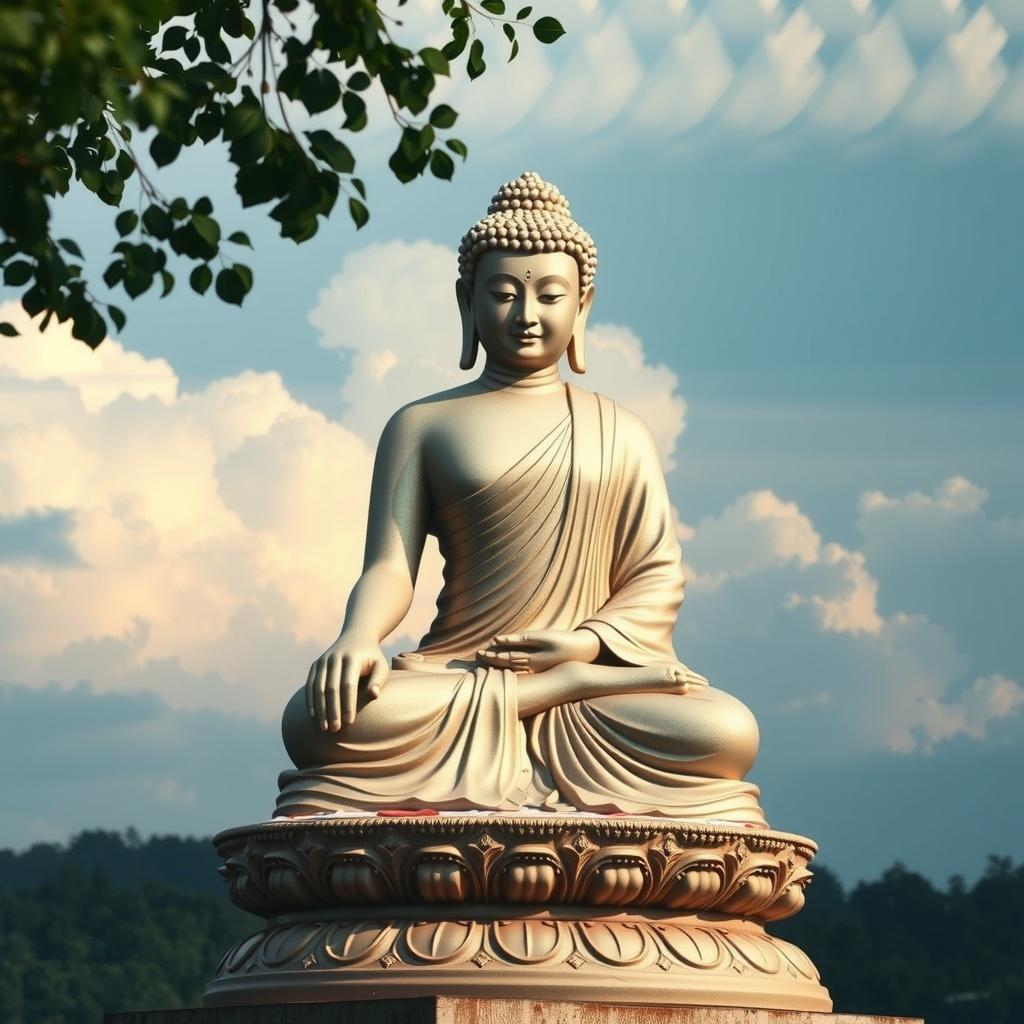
pixel 929 20
pixel 685 83
pixel 780 78
pixel 99 377
pixel 842 18
pixel 868 81
pixel 746 18
pixel 961 78
pixel 1009 13
pixel 192 513
pixel 595 82
pixel 755 532
pixel 656 17
pixel 796 628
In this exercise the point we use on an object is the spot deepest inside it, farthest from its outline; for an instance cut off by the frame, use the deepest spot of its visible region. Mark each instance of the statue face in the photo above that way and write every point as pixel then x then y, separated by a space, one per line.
pixel 525 306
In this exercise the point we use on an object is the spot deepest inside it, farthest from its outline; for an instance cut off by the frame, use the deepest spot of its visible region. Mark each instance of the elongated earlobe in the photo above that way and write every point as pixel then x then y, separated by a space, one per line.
pixel 576 354
pixel 576 351
pixel 470 338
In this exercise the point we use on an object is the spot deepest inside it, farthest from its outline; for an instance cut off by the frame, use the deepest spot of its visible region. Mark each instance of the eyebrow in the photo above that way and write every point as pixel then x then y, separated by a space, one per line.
pixel 548 279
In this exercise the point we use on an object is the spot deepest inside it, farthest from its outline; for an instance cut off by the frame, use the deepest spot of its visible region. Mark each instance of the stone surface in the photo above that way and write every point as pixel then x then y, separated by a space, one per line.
pixel 612 910
pixel 450 1010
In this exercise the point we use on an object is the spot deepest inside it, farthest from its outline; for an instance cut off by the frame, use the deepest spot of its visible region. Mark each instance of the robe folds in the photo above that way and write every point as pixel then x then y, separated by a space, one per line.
pixel 578 533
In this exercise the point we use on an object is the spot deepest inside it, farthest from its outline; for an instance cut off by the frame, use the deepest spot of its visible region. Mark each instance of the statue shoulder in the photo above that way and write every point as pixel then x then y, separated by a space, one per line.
pixel 630 428
pixel 417 418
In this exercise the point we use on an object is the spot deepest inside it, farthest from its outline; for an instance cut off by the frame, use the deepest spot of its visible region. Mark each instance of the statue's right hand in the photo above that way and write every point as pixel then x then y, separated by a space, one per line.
pixel 332 687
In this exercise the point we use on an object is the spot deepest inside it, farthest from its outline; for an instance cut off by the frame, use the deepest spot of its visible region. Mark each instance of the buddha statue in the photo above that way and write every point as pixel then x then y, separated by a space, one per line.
pixel 548 678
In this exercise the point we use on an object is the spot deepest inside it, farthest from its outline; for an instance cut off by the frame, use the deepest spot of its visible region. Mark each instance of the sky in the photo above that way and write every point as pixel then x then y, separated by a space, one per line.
pixel 810 284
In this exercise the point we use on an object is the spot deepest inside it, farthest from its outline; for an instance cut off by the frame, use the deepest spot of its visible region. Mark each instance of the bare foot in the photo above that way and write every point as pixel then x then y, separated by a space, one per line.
pixel 673 678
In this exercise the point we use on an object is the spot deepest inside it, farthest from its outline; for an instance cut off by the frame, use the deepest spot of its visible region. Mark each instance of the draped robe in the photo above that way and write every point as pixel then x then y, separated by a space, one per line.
pixel 578 533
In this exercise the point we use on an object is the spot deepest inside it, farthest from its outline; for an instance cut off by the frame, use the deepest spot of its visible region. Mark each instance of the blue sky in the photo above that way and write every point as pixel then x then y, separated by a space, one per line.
pixel 810 281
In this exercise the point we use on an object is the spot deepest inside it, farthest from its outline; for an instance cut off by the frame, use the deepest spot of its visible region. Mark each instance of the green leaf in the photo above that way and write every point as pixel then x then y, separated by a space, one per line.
pixel 547 30
pixel 360 215
pixel 510 32
pixel 524 12
pixel 167 279
pixel 157 221
pixel 475 66
pixel 441 165
pixel 126 222
pixel 458 146
pixel 239 238
pixel 174 38
pixel 207 228
pixel 357 184
pixel 494 6
pixel 192 47
pixel 230 286
pixel 113 274
pixel 242 120
pixel 513 51
pixel 203 205
pixel 164 150
pixel 460 36
pixel 443 116
pixel 320 90
pixel 71 246
pixel 359 81
pixel 331 151
pixel 435 60
pixel 9 330
pixel 125 165
pixel 117 316
pixel 355 112
pixel 200 278
pixel 18 272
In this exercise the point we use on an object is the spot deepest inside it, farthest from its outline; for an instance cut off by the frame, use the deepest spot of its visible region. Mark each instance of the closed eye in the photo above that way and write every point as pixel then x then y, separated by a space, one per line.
pixel 503 296
pixel 551 297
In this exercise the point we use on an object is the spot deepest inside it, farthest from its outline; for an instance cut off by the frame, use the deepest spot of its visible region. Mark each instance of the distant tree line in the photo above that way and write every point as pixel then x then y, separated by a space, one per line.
pixel 114 922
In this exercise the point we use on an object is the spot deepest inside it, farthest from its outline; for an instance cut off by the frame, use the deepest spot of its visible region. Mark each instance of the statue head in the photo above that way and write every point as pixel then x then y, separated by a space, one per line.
pixel 526 275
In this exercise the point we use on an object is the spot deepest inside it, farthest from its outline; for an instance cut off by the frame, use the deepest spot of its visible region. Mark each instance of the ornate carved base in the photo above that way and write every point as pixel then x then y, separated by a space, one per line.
pixel 612 910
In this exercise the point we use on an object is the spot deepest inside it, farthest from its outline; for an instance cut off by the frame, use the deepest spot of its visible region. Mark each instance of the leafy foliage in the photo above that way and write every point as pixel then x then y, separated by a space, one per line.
pixel 83 87
pixel 112 922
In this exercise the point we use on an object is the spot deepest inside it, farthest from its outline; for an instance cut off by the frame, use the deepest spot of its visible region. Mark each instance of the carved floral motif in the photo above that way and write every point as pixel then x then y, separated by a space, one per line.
pixel 636 863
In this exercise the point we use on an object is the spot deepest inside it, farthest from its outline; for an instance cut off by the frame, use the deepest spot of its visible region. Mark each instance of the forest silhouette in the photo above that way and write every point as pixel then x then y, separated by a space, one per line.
pixel 114 922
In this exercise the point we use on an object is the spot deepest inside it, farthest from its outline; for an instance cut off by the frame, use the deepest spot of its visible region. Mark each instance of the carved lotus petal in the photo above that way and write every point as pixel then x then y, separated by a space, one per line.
pixel 288 886
pixel 616 943
pixel 758 951
pixel 531 942
pixel 238 955
pixel 753 893
pixel 289 944
pixel 441 881
pixel 440 942
pixel 696 886
pixel 617 881
pixel 791 900
pixel 798 958
pixel 356 882
pixel 348 942
pixel 528 881
pixel 696 947
pixel 246 893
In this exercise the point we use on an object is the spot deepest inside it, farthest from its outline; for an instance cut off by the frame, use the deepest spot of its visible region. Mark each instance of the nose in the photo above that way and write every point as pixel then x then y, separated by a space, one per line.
pixel 526 314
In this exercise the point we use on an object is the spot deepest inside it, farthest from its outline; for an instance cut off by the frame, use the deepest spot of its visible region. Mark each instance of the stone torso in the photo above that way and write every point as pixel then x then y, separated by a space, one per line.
pixel 456 463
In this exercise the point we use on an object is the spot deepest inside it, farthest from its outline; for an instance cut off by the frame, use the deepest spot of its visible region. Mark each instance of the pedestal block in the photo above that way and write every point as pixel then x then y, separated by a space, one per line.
pixel 612 910
pixel 460 1010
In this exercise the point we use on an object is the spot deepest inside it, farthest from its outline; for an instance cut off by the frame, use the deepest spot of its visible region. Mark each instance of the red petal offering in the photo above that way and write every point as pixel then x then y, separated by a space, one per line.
pixel 407 812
